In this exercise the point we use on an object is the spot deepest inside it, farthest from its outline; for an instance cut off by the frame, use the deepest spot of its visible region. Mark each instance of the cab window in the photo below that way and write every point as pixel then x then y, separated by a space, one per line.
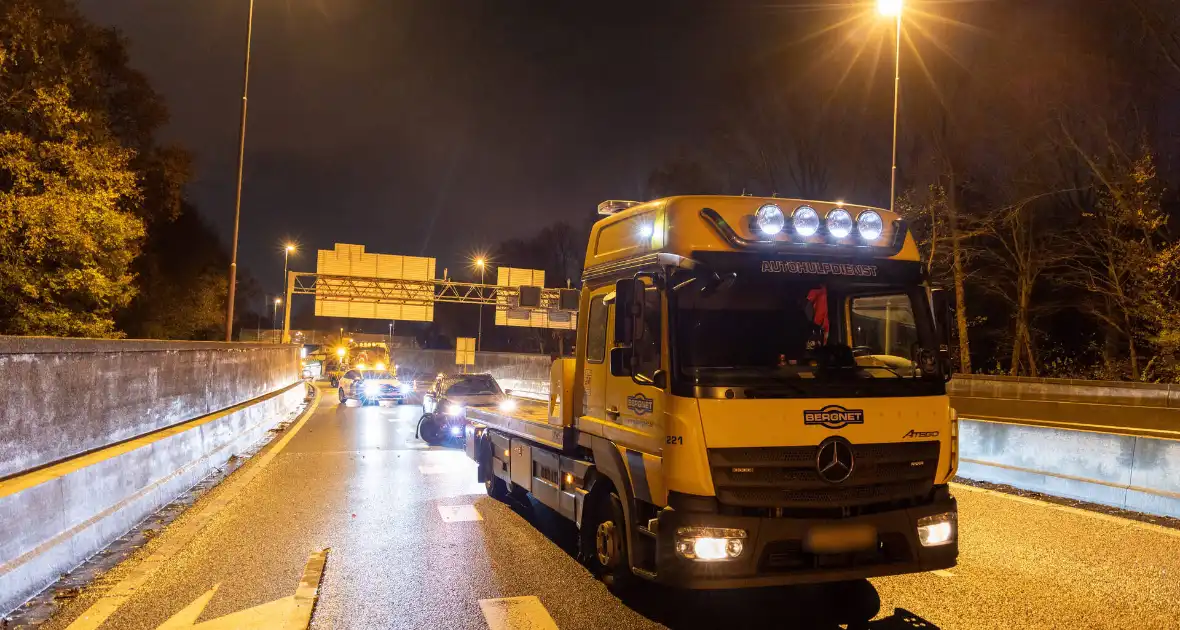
pixel 352 375
pixel 647 346
pixel 596 331
pixel 883 325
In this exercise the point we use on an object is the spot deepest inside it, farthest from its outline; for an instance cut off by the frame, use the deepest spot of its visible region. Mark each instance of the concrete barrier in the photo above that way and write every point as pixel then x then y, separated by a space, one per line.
pixel 63 397
pixel 1125 471
pixel 173 412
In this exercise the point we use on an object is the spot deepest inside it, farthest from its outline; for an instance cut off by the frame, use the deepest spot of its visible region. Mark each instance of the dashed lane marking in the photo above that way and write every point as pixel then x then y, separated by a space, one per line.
pixel 458 513
pixel 176 538
pixel 943 573
pixel 516 613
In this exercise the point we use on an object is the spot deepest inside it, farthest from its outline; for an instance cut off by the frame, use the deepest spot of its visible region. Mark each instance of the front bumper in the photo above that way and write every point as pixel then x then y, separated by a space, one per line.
pixel 774 554
pixel 395 397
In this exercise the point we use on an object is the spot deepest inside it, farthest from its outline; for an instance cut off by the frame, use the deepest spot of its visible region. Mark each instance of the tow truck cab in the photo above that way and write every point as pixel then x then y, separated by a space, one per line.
pixel 758 389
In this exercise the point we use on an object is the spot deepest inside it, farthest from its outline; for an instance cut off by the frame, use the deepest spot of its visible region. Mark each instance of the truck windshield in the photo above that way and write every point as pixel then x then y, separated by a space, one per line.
pixel 801 335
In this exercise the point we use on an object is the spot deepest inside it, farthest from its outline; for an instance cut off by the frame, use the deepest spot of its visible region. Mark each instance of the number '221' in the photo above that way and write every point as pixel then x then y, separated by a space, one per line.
pixel 673 439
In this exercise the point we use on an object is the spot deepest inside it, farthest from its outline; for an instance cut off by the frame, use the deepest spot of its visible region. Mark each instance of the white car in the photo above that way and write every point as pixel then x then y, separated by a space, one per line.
pixel 372 386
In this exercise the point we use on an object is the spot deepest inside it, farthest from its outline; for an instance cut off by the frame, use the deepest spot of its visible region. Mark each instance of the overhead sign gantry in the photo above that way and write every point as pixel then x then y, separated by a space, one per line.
pixel 350 282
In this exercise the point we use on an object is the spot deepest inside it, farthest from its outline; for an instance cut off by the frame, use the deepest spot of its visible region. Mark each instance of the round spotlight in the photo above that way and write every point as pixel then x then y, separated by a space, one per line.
pixel 839 223
pixel 806 220
pixel 869 225
pixel 770 219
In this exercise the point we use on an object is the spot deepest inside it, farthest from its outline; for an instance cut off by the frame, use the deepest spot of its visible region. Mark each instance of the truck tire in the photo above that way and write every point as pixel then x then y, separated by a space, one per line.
pixel 604 543
pixel 495 486
pixel 343 398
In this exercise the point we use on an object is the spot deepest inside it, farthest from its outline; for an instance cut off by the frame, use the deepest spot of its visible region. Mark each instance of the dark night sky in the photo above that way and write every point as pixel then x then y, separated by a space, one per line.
pixel 430 127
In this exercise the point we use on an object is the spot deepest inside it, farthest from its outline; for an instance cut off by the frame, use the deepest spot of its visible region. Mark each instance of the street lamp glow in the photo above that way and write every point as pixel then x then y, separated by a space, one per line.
pixel 340 352
pixel 889 8
pixel 479 262
pixel 290 248
pixel 278 300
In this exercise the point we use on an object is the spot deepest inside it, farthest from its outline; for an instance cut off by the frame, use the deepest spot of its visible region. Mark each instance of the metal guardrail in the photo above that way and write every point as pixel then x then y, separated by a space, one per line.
pixel 1137 409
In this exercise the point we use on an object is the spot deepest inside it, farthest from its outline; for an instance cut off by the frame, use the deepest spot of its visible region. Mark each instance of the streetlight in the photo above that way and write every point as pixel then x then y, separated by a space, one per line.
pixel 274 318
pixel 233 264
pixel 287 251
pixel 892 8
pixel 480 262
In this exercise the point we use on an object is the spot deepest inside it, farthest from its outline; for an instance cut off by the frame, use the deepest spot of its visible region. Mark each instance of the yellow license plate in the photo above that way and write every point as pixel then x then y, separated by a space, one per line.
pixel 840 538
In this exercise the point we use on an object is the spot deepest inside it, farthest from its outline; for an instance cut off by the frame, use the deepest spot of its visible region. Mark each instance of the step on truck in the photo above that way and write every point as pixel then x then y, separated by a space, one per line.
pixel 758 397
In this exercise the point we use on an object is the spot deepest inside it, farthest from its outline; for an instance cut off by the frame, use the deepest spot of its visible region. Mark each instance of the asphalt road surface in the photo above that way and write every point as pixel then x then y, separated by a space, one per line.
pixel 413 542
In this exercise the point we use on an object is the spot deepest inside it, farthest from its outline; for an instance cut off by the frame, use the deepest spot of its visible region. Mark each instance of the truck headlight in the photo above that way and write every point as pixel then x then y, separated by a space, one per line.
pixel 938 529
pixel 508 405
pixel 709 544
pixel 454 410
pixel 371 389
pixel 405 388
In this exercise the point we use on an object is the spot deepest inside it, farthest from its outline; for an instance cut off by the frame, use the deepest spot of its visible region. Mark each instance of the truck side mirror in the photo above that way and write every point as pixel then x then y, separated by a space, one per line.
pixel 628 310
pixel 943 315
pixel 941 300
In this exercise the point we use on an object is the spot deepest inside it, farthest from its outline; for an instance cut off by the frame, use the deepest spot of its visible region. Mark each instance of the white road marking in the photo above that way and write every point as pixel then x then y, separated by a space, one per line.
pixel 516 613
pixel 175 539
pixel 434 470
pixel 943 573
pixel 1167 531
pixel 458 513
pixel 289 613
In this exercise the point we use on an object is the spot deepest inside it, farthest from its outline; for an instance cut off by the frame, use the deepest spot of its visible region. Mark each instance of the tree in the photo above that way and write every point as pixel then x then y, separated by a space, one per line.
pixel 1023 248
pixel 81 175
pixel 558 249
pixel 67 238
pixel 182 275
pixel 1117 239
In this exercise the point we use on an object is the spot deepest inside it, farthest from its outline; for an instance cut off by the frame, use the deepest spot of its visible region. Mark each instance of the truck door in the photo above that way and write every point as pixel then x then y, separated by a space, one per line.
pixel 596 367
pixel 635 388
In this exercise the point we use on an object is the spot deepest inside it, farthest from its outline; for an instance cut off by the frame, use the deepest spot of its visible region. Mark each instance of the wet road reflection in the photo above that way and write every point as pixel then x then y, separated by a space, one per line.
pixel 415 543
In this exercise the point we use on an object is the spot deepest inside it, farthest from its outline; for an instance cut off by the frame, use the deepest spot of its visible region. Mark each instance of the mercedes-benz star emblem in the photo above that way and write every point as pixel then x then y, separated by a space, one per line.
pixel 834 461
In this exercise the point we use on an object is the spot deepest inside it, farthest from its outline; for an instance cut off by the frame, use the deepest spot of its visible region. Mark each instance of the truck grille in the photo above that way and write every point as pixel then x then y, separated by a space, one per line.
pixel 786 477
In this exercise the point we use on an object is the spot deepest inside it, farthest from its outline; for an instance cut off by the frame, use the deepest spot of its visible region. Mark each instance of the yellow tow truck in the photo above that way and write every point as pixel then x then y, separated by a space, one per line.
pixel 757 398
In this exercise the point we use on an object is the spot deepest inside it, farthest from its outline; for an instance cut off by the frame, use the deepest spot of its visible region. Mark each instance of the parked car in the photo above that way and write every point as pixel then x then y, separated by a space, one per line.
pixel 372 386
pixel 444 405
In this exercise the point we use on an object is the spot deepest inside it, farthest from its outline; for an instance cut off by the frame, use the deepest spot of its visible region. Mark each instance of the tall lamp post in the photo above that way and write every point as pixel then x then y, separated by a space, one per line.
pixel 233 264
pixel 274 318
pixel 892 8
pixel 480 262
pixel 288 249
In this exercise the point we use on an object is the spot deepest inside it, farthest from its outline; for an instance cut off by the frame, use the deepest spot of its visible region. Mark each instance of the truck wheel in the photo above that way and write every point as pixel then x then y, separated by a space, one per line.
pixel 495 486
pixel 343 399
pixel 604 544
